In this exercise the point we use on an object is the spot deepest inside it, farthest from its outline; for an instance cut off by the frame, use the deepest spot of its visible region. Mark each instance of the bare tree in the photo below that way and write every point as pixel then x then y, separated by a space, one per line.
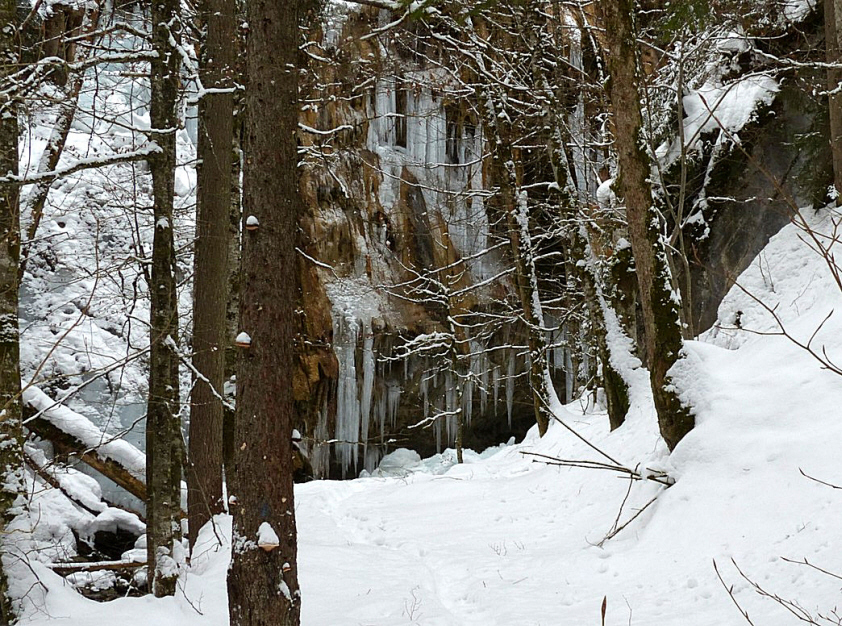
pixel 164 443
pixel 10 404
pixel 210 286
pixel 660 310
pixel 833 41
pixel 263 577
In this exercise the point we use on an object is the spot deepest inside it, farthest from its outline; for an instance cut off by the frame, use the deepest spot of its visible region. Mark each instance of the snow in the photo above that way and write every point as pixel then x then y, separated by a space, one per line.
pixel 82 429
pixel 111 520
pixel 731 105
pixel 267 538
pixel 796 11
pixel 504 539
pixel 721 108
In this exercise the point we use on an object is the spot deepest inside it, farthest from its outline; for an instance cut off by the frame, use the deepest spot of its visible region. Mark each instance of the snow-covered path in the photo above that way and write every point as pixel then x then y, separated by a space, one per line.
pixel 505 541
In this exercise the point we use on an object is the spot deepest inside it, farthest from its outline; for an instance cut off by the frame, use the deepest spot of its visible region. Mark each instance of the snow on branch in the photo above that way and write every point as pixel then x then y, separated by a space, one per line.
pixel 81 428
pixel 84 164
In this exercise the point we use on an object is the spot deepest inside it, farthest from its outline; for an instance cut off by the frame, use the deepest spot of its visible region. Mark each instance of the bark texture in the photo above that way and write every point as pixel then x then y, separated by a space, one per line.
pixel 235 215
pixel 833 40
pixel 11 460
pixel 660 311
pixel 164 443
pixel 263 583
pixel 210 287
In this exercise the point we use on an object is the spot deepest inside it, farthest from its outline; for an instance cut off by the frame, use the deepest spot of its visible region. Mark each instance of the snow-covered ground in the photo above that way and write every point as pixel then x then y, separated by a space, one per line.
pixel 503 540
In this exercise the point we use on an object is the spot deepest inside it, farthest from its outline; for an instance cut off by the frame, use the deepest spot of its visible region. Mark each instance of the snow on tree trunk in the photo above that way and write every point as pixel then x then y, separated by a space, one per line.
pixel 660 305
pixel 514 203
pixel 833 39
pixel 210 289
pixel 164 444
pixel 11 437
pixel 263 585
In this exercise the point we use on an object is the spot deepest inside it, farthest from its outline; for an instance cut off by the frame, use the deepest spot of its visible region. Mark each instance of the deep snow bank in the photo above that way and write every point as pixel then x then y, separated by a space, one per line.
pixel 507 541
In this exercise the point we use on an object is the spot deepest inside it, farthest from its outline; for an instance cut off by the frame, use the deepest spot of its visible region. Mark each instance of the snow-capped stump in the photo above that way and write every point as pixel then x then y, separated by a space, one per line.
pixel 267 539
pixel 252 223
pixel 243 340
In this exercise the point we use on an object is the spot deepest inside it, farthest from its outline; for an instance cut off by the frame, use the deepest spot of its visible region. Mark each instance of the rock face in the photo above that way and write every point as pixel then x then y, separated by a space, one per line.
pixel 402 198
pixel 751 197
pixel 394 188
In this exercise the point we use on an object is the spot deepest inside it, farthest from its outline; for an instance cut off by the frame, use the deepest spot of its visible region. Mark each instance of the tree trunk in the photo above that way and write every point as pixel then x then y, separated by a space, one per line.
pixel 833 39
pixel 235 216
pixel 514 203
pixel 49 161
pixel 210 287
pixel 11 438
pixel 164 443
pixel 660 311
pixel 263 583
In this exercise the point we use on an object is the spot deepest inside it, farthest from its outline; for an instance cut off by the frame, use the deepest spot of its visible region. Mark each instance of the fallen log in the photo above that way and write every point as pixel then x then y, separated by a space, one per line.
pixel 63 569
pixel 53 482
pixel 44 472
pixel 76 436
pixel 66 444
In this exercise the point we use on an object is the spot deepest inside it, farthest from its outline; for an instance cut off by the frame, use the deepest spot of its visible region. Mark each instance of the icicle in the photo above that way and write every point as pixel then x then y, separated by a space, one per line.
pixel 483 380
pixel 423 390
pixel 345 333
pixel 586 357
pixel 372 458
pixel 393 401
pixel 381 415
pixel 368 385
pixel 450 406
pixel 576 119
pixel 495 384
pixel 320 452
pixel 468 400
pixel 437 430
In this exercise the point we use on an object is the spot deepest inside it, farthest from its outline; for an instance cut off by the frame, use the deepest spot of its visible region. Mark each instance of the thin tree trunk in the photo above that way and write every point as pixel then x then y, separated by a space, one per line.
pixel 514 203
pixel 51 156
pixel 49 161
pixel 660 311
pixel 263 582
pixel 11 438
pixel 210 290
pixel 164 443
pixel 235 216
pixel 833 39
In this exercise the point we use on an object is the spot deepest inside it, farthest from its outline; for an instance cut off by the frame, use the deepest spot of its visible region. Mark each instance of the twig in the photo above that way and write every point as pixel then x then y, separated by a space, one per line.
pixel 661 479
pixel 618 530
pixel 730 591
pixel 821 482
pixel 815 567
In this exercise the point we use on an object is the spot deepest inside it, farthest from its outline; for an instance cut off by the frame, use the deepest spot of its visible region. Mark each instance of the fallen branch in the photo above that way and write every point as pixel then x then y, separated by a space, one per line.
pixel 66 444
pixel 53 482
pixel 730 591
pixel 43 471
pixel 659 477
pixel 821 482
pixel 63 569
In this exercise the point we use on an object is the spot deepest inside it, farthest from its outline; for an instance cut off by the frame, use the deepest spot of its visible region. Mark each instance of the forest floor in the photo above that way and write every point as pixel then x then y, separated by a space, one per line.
pixel 505 540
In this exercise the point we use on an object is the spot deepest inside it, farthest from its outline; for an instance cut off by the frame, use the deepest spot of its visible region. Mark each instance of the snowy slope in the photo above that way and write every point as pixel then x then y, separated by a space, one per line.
pixel 504 541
